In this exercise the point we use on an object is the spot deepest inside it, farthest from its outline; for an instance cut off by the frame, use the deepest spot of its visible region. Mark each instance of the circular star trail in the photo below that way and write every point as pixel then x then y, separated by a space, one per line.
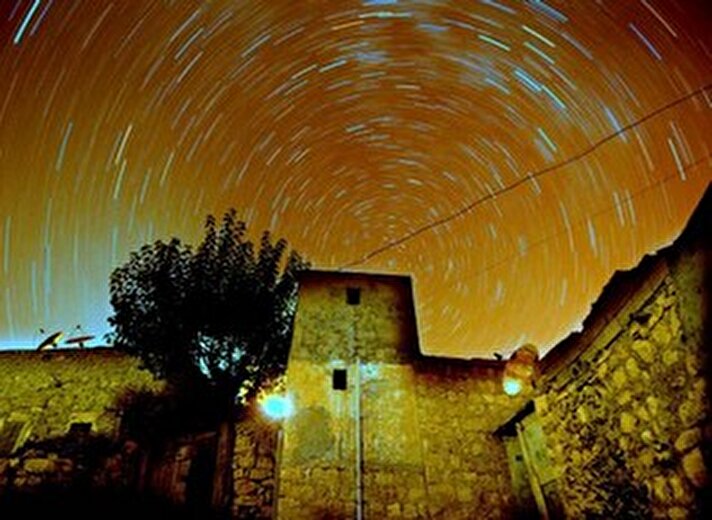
pixel 346 125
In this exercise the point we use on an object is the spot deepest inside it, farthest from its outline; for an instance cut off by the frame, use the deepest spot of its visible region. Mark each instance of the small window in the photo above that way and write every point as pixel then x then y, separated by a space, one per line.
pixel 353 295
pixel 338 379
pixel 80 428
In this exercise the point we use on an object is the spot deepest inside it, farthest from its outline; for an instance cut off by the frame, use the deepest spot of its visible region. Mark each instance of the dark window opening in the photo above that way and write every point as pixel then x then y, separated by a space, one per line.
pixel 353 295
pixel 80 428
pixel 338 379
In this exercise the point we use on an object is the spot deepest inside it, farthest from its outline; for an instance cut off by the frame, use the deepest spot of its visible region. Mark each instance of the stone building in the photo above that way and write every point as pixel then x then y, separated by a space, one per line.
pixel 380 430
pixel 618 425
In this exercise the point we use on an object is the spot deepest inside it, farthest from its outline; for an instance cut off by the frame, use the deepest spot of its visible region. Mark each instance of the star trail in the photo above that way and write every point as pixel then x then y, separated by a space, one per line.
pixel 385 135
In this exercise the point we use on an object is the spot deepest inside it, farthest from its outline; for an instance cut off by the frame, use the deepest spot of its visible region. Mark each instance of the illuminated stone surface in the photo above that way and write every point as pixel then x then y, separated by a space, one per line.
pixel 50 390
pixel 425 425
pixel 637 370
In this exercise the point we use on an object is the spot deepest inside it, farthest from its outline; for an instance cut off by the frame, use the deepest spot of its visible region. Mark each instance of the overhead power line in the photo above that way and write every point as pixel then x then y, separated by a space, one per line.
pixel 539 173
pixel 605 209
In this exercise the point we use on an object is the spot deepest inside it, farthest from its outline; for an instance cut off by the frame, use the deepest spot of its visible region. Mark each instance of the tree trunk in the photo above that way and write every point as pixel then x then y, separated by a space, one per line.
pixel 223 489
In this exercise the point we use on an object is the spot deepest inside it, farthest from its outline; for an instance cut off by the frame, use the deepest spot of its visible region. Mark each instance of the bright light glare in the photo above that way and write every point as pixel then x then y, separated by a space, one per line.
pixel 277 406
pixel 512 386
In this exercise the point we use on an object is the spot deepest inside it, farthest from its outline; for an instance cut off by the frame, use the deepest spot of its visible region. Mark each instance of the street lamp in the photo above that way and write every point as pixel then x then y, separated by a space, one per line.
pixel 276 406
pixel 520 370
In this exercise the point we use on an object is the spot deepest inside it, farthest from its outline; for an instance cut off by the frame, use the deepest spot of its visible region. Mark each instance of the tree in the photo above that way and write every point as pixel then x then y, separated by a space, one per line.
pixel 221 314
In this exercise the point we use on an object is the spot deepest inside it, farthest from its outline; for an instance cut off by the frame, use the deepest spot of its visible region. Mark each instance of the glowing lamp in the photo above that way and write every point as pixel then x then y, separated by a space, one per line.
pixel 521 370
pixel 511 386
pixel 276 406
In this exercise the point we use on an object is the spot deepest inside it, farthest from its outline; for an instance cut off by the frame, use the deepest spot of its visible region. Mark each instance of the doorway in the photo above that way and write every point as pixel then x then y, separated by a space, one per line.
pixel 534 482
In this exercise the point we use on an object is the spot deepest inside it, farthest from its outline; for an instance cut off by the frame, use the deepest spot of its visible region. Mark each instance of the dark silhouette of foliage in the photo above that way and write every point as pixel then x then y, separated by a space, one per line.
pixel 222 312
pixel 53 501
pixel 152 419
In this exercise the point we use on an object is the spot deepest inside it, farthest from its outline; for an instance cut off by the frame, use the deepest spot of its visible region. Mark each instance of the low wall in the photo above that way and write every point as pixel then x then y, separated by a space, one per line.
pixel 60 416
pixel 254 468
pixel 43 393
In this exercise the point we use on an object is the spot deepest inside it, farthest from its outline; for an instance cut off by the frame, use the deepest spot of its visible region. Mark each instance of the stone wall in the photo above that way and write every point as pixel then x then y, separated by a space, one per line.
pixel 381 328
pixel 92 463
pixel 46 392
pixel 625 404
pixel 96 478
pixel 42 394
pixel 428 448
pixel 182 471
pixel 254 468
pixel 460 405
pixel 317 472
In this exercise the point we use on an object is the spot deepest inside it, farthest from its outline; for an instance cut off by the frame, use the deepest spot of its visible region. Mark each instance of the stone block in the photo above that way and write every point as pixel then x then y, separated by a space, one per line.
pixel 653 404
pixel 619 378
pixel 661 490
pixel 265 462
pixel 410 511
pixel 680 490
pixel 645 350
pixel 642 413
pixel 602 370
pixel 244 488
pixel 646 458
pixel 627 422
pixel 661 334
pixel 393 510
pixel 695 470
pixel 245 459
pixel 677 513
pixel 688 439
pixel 243 443
pixel 690 411
pixel 624 397
pixel 670 356
pixel 465 494
pixel 632 368
pixel 674 323
pixel 693 364
pixel 39 465
pixel 415 494
pixel 261 473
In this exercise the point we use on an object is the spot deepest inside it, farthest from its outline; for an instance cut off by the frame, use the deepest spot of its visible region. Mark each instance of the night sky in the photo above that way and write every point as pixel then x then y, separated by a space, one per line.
pixel 346 125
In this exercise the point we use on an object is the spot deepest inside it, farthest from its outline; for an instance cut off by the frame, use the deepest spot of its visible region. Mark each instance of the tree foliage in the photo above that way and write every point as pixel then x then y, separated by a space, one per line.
pixel 222 312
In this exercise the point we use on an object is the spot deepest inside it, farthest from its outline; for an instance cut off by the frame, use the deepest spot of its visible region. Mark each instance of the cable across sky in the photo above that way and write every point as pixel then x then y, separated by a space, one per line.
pixel 529 177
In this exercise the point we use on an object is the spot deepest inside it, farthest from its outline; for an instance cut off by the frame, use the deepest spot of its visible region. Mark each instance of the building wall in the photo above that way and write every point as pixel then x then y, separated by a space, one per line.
pixel 319 461
pixel 626 406
pixel 412 436
pixel 254 468
pixel 47 391
pixel 460 405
